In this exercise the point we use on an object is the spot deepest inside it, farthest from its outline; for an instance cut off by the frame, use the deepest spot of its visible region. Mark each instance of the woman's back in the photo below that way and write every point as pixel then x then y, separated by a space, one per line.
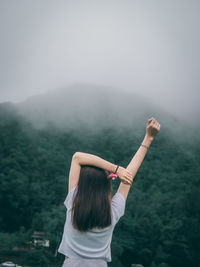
pixel 92 244
pixel 93 207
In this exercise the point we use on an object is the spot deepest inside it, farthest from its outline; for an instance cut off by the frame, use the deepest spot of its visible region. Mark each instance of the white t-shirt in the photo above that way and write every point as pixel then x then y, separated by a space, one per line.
pixel 95 243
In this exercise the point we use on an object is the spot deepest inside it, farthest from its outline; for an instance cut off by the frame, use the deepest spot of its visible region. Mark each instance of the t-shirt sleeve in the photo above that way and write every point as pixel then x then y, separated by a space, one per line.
pixel 68 199
pixel 118 206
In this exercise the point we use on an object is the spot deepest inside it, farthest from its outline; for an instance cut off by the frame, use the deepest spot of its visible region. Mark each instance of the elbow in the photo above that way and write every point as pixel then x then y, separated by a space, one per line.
pixel 76 155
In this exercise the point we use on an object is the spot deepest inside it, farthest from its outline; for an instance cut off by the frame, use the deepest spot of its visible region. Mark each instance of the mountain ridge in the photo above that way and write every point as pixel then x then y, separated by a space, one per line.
pixel 94 107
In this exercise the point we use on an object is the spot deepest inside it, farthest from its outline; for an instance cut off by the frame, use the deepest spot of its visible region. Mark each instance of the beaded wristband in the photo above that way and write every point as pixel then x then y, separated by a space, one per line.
pixel 145 146
pixel 116 168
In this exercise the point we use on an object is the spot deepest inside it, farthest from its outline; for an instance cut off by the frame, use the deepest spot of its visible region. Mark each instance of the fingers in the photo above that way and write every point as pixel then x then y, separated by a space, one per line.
pixel 157 125
pixel 152 118
pixel 128 179
pixel 126 182
pixel 153 122
pixel 128 176
pixel 149 121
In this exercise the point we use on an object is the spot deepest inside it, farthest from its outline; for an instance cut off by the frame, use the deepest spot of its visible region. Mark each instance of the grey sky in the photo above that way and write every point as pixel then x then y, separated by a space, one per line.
pixel 150 47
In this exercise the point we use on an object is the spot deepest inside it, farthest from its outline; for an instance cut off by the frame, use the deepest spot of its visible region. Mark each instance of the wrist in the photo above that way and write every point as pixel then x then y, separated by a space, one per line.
pixel 147 140
pixel 118 170
pixel 114 167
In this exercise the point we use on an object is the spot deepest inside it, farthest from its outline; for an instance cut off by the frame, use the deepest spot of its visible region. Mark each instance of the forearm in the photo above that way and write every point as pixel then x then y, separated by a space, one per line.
pixel 90 159
pixel 139 156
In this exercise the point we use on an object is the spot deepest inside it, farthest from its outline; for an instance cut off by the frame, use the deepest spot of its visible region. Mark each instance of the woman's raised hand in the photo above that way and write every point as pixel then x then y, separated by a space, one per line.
pixel 124 175
pixel 152 128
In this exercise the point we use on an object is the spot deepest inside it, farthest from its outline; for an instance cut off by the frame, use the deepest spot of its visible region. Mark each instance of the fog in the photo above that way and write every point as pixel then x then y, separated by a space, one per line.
pixel 146 47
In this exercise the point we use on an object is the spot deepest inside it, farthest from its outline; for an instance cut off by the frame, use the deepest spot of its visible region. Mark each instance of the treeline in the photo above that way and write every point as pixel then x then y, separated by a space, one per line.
pixel 161 224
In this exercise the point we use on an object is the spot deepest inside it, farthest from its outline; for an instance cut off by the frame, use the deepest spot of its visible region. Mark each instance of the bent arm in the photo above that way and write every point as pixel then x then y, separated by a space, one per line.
pixel 90 159
pixel 80 158
pixel 134 164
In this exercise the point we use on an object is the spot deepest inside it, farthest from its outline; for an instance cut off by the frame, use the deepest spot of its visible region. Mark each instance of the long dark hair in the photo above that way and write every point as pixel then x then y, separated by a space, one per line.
pixel 92 203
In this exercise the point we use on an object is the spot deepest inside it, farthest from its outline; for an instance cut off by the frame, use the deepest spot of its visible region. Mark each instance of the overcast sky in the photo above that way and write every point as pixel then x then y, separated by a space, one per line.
pixel 150 47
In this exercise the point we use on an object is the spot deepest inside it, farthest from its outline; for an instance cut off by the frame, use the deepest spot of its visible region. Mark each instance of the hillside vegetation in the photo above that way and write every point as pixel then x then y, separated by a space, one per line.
pixel 161 223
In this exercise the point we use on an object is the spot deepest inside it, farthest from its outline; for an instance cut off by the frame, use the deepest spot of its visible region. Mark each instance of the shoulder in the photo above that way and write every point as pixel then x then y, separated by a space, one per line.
pixel 68 199
pixel 118 195
pixel 118 204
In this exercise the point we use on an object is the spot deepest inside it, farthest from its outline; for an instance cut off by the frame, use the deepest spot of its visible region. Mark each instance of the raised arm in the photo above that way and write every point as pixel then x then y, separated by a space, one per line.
pixel 125 175
pixel 152 129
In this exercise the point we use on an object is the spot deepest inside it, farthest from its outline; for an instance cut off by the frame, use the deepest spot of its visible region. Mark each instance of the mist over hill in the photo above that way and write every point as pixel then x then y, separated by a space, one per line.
pixel 91 108
pixel 81 105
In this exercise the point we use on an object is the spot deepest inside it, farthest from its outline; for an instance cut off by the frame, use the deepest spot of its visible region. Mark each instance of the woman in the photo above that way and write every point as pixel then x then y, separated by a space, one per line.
pixel 92 212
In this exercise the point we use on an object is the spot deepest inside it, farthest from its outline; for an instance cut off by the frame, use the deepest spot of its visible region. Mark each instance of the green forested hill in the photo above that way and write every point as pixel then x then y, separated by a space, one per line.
pixel 161 224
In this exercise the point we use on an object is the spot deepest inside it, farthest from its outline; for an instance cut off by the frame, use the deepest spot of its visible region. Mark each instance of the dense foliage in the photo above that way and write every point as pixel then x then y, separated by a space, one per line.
pixel 161 224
